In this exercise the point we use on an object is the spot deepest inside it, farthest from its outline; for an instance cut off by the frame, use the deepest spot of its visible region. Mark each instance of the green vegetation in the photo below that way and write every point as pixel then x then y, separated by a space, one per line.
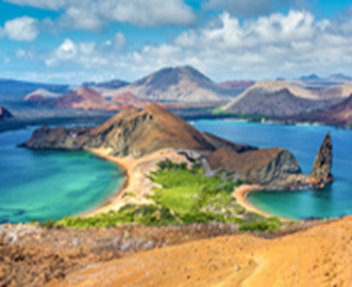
pixel 129 194
pixel 187 196
pixel 220 111
pixel 349 127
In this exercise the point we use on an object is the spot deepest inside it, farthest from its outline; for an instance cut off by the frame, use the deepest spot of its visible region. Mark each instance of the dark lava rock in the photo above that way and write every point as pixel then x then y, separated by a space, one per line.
pixel 323 161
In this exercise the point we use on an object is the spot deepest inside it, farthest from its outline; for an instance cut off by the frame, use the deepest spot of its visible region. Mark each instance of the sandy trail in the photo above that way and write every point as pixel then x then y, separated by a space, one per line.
pixel 320 256
pixel 137 182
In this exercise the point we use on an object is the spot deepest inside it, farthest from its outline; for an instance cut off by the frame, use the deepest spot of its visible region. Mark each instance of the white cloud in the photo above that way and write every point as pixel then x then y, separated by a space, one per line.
pixel 43 4
pixel 20 53
pixel 119 40
pixel 278 45
pixel 268 47
pixel 94 15
pixel 21 29
pixel 87 54
pixel 247 7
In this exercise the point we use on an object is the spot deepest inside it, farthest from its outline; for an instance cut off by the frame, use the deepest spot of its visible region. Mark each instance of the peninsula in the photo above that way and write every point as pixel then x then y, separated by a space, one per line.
pixel 138 140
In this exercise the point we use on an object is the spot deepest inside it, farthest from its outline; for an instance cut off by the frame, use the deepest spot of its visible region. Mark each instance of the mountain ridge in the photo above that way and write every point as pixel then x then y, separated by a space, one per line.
pixel 180 84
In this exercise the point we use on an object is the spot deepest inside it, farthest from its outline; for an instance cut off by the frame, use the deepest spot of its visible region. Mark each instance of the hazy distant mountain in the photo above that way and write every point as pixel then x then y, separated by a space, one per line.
pixel 182 84
pixel 237 84
pixel 12 90
pixel 340 114
pixel 114 84
pixel 278 98
pixel 82 99
pixel 340 76
pixel 310 77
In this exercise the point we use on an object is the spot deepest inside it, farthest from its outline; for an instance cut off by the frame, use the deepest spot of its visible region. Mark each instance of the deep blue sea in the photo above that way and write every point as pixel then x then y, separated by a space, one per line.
pixel 303 141
pixel 50 184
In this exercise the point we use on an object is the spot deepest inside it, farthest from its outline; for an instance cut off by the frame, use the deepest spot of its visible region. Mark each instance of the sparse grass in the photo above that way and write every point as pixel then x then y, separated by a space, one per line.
pixel 220 111
pixel 249 117
pixel 128 194
pixel 186 195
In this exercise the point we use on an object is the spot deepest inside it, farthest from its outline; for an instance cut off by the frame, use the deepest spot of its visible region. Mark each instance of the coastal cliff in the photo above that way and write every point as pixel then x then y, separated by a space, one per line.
pixel 136 133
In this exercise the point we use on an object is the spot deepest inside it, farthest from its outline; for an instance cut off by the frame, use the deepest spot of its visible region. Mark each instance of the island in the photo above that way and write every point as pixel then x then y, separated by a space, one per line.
pixel 138 140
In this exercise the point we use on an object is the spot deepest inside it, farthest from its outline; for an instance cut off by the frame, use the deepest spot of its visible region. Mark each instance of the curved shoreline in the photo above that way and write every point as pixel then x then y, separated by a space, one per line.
pixel 110 202
pixel 128 165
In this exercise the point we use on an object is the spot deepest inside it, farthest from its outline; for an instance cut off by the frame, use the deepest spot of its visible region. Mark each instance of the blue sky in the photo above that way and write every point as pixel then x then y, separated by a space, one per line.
pixel 70 41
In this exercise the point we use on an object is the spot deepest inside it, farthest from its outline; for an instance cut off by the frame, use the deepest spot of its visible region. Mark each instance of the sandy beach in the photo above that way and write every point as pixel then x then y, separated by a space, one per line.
pixel 137 183
pixel 241 193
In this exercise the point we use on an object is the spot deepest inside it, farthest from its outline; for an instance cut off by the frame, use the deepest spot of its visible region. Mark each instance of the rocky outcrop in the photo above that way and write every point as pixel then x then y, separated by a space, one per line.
pixel 323 161
pixel 272 166
pixel 4 114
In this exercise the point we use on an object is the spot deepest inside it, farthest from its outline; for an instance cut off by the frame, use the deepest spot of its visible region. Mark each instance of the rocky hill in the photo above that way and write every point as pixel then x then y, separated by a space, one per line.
pixel 4 114
pixel 182 84
pixel 340 115
pixel 280 99
pixel 86 98
pixel 137 133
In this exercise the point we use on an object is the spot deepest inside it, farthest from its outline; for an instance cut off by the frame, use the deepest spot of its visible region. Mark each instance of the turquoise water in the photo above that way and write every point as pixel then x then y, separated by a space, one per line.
pixel 303 141
pixel 50 184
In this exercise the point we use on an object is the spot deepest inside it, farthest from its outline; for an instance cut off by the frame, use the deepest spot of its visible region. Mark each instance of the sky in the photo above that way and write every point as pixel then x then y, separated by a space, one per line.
pixel 73 41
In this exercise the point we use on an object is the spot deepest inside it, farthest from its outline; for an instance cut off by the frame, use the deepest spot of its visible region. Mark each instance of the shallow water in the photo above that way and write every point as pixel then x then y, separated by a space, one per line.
pixel 303 141
pixel 50 184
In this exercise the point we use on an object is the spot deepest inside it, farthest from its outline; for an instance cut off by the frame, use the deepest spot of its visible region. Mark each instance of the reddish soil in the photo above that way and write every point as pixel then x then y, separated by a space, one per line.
pixel 320 256
pixel 34 256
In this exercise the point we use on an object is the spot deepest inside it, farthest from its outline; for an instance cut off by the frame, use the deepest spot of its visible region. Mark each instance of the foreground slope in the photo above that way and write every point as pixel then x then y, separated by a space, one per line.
pixel 320 256
pixel 182 84
pixel 279 98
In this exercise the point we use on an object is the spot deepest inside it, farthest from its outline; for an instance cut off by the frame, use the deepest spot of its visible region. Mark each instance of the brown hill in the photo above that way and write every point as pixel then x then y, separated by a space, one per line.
pixel 280 99
pixel 85 98
pixel 131 132
pixel 182 84
pixel 340 114
pixel 5 114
